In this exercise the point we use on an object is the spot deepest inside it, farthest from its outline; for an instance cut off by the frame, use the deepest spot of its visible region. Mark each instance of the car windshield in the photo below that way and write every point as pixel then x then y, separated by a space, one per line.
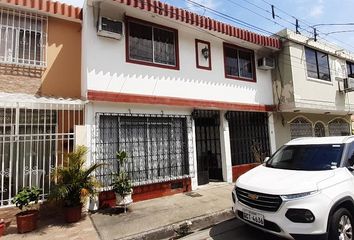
pixel 307 157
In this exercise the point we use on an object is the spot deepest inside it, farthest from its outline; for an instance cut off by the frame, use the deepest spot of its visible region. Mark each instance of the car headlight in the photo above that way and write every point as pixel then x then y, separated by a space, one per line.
pixel 289 197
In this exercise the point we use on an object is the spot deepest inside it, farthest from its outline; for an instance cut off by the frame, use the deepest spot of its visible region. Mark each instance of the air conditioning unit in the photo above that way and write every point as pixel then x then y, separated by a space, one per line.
pixel 266 63
pixel 109 28
pixel 348 84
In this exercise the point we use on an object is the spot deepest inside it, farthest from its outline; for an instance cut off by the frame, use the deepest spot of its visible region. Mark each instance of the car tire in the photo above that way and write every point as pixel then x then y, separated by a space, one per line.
pixel 341 225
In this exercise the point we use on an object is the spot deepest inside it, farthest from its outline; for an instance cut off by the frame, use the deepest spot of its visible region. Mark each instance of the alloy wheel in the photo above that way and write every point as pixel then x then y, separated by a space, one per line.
pixel 345 229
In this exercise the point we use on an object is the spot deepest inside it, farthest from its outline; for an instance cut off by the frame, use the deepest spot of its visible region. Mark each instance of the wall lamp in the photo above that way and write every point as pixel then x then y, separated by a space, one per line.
pixel 205 52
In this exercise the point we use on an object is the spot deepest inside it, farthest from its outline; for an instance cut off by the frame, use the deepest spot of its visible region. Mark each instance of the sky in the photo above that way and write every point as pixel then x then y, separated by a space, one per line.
pixel 258 13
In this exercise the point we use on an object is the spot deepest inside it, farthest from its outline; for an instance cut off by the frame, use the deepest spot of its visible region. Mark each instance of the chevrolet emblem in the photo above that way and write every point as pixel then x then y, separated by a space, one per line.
pixel 252 196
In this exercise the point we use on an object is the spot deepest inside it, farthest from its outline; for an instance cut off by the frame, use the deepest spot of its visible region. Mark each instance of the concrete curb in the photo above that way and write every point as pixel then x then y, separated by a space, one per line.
pixel 168 231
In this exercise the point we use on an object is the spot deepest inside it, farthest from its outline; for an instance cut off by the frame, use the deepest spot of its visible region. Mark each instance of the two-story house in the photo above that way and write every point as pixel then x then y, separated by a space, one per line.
pixel 311 89
pixel 40 76
pixel 181 93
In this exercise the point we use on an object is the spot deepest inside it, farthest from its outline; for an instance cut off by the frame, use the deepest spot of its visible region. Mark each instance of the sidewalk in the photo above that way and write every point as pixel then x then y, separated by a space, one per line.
pixel 158 217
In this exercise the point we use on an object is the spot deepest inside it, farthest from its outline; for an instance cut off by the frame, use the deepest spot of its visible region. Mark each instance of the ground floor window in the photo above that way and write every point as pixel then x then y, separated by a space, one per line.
pixel 249 137
pixel 320 130
pixel 300 127
pixel 338 127
pixel 157 146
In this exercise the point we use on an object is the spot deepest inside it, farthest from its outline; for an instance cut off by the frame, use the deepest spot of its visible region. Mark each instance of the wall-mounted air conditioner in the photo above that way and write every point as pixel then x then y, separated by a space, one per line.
pixel 266 63
pixel 348 84
pixel 109 28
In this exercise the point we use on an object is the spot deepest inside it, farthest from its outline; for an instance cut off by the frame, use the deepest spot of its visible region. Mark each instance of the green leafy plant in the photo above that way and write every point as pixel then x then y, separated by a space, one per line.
pixel 25 198
pixel 73 182
pixel 121 183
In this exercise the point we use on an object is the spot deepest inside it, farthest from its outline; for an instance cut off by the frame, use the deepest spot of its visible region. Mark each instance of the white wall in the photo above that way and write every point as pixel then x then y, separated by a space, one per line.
pixel 106 69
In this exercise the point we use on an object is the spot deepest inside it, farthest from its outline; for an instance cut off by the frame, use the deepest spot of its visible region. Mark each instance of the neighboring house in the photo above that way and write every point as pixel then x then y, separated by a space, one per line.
pixel 180 93
pixel 40 72
pixel 310 91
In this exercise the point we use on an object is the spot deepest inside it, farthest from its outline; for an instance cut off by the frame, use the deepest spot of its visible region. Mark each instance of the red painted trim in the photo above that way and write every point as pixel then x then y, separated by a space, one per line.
pixel 238 170
pixel 197 54
pixel 227 45
pixel 209 24
pixel 127 58
pixel 48 7
pixel 173 101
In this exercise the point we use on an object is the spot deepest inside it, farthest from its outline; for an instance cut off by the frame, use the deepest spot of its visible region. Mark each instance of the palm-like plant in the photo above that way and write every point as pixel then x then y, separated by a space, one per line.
pixel 73 181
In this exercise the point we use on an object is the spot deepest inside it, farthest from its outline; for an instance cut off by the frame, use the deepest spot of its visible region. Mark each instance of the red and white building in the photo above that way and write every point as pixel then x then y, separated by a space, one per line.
pixel 179 92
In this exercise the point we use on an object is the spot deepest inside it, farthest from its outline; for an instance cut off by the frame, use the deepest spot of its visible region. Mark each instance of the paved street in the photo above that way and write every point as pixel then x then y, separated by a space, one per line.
pixel 231 230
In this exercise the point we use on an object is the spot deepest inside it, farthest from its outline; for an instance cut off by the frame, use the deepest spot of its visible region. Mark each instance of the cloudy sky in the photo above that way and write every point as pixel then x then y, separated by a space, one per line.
pixel 258 13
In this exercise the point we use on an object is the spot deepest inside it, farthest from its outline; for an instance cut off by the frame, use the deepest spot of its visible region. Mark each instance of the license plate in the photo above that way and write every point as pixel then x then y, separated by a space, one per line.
pixel 253 217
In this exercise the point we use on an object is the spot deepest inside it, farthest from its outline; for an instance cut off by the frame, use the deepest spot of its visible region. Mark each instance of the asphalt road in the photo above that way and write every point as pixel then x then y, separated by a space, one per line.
pixel 231 230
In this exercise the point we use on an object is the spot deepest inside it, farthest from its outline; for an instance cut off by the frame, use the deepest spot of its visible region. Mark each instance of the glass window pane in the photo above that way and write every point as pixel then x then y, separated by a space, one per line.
pixel 164 47
pixel 323 66
pixel 311 63
pixel 245 62
pixel 231 62
pixel 349 71
pixel 140 42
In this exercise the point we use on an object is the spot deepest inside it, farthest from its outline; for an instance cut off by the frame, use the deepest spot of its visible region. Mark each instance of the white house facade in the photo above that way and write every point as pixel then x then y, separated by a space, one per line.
pixel 310 89
pixel 179 92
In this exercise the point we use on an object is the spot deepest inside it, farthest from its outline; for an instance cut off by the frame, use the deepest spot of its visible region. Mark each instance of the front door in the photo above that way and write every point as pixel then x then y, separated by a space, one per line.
pixel 208 146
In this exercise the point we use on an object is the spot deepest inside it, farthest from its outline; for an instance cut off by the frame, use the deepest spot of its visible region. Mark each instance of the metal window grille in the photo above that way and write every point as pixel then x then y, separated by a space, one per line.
pixel 319 130
pixel 339 127
pixel 249 136
pixel 300 127
pixel 158 146
pixel 23 38
pixel 34 139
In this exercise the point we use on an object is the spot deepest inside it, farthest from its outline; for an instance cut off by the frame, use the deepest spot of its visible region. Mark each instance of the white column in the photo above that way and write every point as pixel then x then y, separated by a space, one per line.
pixel 193 159
pixel 271 130
pixel 225 148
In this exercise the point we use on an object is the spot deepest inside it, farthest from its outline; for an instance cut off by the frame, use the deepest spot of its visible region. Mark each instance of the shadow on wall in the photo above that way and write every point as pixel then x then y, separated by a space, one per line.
pixel 62 77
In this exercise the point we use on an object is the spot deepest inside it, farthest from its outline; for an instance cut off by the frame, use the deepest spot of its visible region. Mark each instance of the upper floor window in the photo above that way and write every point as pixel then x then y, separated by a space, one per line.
pixel 23 38
pixel 239 63
pixel 151 44
pixel 317 64
pixel 350 69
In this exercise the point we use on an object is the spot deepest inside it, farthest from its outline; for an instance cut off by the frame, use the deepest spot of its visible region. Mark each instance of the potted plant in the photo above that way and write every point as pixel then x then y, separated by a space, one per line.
pixel 27 218
pixel 2 227
pixel 121 183
pixel 74 183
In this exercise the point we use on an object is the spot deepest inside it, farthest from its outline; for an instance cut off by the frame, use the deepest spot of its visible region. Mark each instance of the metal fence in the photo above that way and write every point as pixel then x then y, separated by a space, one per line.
pixel 159 147
pixel 34 139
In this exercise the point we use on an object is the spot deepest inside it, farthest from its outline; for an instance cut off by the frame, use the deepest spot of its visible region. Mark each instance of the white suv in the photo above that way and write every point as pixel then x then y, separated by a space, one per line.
pixel 304 191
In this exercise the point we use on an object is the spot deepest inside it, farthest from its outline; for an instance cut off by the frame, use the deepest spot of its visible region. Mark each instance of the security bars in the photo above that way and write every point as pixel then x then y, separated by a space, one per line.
pixel 34 139
pixel 159 147
pixel 23 38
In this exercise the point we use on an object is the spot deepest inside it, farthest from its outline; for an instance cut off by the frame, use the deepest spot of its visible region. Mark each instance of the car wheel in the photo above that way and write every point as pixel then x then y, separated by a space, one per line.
pixel 341 227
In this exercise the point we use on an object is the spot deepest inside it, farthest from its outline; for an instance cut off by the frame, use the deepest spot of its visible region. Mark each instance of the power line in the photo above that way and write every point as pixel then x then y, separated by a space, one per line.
pixel 342 31
pixel 333 24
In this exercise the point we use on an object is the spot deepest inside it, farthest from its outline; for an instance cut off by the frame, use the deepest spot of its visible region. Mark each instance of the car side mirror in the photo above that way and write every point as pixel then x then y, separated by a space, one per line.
pixel 266 159
pixel 351 168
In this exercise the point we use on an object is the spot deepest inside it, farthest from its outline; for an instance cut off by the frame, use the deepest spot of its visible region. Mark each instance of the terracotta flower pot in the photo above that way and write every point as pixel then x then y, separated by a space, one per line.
pixel 2 229
pixel 72 214
pixel 27 221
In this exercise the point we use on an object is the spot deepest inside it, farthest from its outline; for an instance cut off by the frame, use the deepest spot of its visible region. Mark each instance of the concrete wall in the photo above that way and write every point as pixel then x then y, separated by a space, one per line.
pixel 105 67
pixel 300 92
pixel 282 124
pixel 62 75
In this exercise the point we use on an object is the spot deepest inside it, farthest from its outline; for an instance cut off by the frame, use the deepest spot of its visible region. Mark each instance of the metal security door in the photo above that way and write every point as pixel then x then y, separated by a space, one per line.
pixel 208 145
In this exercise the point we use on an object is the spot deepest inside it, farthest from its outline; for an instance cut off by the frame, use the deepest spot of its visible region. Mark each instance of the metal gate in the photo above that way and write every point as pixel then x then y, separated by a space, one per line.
pixel 249 138
pixel 34 138
pixel 207 133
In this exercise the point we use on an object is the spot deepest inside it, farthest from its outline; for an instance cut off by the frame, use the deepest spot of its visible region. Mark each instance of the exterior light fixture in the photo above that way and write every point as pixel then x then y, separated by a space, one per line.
pixel 205 52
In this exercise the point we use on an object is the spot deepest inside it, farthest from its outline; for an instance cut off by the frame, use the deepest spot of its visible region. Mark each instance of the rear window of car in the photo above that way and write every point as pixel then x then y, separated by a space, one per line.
pixel 307 157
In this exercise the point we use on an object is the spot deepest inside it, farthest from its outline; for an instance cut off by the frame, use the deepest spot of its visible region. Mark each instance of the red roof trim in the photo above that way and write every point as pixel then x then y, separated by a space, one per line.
pixel 174 101
pixel 49 7
pixel 194 19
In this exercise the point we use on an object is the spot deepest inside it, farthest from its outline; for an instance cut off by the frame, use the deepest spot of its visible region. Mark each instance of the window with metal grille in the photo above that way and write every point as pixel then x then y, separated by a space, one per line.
pixel 300 127
pixel 338 127
pixel 249 137
pixel 152 44
pixel 319 130
pixel 157 147
pixel 23 38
